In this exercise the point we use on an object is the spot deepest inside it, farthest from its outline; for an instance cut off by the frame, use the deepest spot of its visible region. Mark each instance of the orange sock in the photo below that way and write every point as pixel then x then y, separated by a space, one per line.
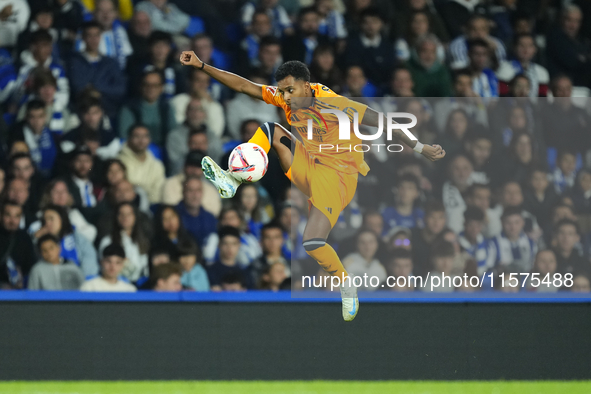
pixel 263 137
pixel 326 256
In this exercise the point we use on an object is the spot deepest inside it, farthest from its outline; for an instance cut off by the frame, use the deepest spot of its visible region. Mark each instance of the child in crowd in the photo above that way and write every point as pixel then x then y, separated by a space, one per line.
pixel 52 272
pixel 111 266
pixel 564 175
pixel 404 212
pixel 194 275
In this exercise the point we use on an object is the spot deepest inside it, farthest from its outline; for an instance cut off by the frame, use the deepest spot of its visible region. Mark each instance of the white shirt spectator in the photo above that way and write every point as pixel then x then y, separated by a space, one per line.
pixel 171 20
pixel 356 265
pixel 15 23
pixel 136 263
pixel 214 111
pixel 100 284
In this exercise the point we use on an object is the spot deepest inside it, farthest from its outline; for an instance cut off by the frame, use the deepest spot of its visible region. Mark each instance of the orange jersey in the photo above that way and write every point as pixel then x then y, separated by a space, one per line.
pixel 341 156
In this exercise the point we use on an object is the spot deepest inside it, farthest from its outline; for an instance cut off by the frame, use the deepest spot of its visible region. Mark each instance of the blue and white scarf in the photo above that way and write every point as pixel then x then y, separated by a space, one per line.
pixel 479 251
pixel 43 149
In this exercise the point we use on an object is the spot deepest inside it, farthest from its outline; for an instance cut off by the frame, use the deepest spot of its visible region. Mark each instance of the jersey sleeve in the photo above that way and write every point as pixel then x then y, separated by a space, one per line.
pixel 349 107
pixel 270 96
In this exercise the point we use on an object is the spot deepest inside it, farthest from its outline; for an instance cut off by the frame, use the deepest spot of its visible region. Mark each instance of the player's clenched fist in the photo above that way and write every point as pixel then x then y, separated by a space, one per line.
pixel 188 58
pixel 433 152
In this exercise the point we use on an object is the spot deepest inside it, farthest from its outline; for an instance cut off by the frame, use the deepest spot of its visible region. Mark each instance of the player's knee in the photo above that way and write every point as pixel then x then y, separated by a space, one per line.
pixel 313 244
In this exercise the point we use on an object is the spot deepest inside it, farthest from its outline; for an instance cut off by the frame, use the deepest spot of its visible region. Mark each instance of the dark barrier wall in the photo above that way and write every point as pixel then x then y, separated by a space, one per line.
pixel 161 340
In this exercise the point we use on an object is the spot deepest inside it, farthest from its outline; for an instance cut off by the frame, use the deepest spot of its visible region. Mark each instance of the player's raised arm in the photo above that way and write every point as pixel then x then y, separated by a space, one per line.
pixel 233 81
pixel 431 152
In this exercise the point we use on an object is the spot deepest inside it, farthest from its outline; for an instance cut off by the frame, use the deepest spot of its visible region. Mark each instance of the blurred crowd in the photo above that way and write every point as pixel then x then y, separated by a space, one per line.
pixel 103 131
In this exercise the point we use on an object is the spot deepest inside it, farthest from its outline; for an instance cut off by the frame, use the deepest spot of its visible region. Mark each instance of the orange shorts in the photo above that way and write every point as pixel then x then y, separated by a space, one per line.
pixel 327 189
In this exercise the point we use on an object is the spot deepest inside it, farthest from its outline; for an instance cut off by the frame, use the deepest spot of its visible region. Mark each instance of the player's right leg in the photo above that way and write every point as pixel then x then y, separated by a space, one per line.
pixel 268 135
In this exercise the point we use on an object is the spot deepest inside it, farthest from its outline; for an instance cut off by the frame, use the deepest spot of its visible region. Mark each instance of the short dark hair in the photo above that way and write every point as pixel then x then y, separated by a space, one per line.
pixel 307 10
pixel 41 36
pixel 462 72
pixel 271 225
pixel 473 214
pixel 35 104
pixel 477 42
pixel 135 126
pixel 434 206
pixel 165 271
pixel 371 12
pixel 47 237
pixel 477 132
pixel 114 250
pixel 228 231
pixel 91 25
pixel 400 253
pixel 567 222
pixel 443 248
pixel 200 130
pixel 510 211
pixel 523 35
pixel 159 36
pixel 409 178
pixel 475 186
pixel 153 71
pixel 188 247
pixel 298 70
pixel 269 40
pixel 11 203
pixel 87 103
pixel 233 278
pixel 43 77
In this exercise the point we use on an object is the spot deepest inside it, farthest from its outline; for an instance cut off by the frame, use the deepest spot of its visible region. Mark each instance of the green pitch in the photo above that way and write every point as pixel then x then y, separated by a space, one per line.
pixel 296 387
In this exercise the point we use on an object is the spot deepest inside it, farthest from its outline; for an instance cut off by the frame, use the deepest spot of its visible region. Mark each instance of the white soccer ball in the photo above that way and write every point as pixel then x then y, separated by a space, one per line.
pixel 248 162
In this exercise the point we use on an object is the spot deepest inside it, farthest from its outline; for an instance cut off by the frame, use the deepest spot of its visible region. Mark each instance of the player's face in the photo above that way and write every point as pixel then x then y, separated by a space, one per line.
pixel 291 88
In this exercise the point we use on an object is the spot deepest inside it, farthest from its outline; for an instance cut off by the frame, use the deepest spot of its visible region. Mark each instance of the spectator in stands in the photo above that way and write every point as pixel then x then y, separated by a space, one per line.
pixel 90 68
pixel 233 282
pixel 511 196
pixel 250 249
pixel 172 190
pixel 151 109
pixel 17 190
pixel 227 263
pixel 194 275
pixel 323 69
pixel 116 186
pixel 484 81
pixel 563 177
pixel 140 28
pixel 331 23
pixel 356 84
pixel 198 90
pixel 418 28
pixel 460 177
pixel 14 16
pixel 272 243
pixel 404 18
pixel 279 18
pixel 53 272
pixel 112 265
pixel 244 108
pixel 129 234
pixel 565 125
pixel 581 283
pixel 399 266
pixel 199 222
pixel 567 53
pixel 273 277
pixel 581 193
pixel 44 87
pixel 472 240
pixel 79 183
pixel 539 196
pixel 269 59
pixel 93 119
pixel 114 40
pixel 512 249
pixel 442 261
pixel 567 236
pixel 249 46
pixel 41 19
pixel 167 277
pixel 301 45
pixel 404 212
pixel 169 232
pixel 165 16
pixel 455 132
pixel 16 249
pixel 545 265
pixel 401 83
pixel 464 98
pixel 74 247
pixel 252 209
pixel 22 168
pixel 143 169
pixel 422 238
pixel 178 141
pixel 478 146
pixel 430 76
pixel 370 49
pixel 56 193
pixel 364 261
pixel 39 139
pixel 525 51
pixel 477 28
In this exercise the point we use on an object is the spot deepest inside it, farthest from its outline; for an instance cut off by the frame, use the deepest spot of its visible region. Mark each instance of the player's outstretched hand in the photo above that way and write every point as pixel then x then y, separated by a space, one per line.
pixel 188 58
pixel 433 152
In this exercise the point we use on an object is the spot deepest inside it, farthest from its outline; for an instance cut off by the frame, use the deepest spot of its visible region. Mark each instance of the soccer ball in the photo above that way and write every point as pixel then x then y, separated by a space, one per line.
pixel 248 162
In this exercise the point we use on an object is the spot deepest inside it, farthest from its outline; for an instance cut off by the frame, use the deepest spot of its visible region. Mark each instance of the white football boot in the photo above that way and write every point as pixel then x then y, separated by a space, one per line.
pixel 223 180
pixel 350 301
